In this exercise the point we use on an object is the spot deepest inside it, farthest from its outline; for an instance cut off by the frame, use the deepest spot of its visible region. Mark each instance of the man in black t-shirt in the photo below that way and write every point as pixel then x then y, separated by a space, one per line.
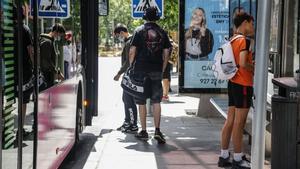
pixel 149 52
pixel 27 59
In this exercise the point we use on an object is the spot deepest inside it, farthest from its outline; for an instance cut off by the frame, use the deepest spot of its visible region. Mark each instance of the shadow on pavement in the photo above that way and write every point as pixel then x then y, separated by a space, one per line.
pixel 82 150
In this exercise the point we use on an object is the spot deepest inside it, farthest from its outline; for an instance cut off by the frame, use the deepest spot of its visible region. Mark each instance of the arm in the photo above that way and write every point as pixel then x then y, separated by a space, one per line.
pixel 125 55
pixel 30 52
pixel 132 53
pixel 166 51
pixel 243 61
pixel 165 58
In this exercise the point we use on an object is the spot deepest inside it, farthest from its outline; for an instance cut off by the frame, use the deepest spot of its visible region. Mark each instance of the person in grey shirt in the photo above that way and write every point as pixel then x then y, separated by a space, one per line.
pixel 130 122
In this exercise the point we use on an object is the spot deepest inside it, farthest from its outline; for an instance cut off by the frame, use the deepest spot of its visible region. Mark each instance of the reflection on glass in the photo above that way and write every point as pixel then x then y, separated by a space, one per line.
pixel 10 115
pixel 275 26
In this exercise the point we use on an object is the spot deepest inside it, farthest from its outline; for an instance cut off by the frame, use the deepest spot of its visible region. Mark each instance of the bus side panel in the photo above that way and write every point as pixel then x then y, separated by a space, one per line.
pixel 56 123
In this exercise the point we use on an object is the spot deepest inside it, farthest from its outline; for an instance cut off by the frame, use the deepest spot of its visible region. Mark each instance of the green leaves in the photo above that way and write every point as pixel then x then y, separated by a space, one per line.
pixel 120 12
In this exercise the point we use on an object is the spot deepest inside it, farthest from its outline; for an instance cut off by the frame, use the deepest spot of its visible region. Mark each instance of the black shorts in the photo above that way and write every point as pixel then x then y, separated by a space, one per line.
pixel 26 94
pixel 239 96
pixel 167 74
pixel 156 90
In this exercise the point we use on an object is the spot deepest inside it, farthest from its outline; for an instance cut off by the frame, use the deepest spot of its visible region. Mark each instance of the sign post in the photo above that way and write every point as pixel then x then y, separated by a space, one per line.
pixel 138 7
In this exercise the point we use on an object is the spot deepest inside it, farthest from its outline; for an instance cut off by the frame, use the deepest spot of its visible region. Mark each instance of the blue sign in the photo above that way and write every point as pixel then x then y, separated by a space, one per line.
pixel 53 8
pixel 138 7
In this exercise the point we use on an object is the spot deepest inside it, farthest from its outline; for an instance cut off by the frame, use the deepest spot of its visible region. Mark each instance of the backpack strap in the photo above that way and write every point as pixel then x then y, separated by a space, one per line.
pixel 236 37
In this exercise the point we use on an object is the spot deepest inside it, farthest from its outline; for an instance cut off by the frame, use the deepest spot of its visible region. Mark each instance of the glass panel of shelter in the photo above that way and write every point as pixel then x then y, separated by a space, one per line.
pixel 9 108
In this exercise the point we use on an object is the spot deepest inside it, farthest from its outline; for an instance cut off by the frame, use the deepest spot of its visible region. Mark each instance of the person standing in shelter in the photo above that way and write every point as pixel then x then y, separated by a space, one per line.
pixel 149 54
pixel 68 58
pixel 130 122
pixel 27 60
pixel 48 54
pixel 240 92
pixel 167 76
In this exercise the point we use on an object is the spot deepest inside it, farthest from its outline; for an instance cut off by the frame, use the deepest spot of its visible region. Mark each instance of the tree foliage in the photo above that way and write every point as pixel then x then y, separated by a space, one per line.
pixel 120 12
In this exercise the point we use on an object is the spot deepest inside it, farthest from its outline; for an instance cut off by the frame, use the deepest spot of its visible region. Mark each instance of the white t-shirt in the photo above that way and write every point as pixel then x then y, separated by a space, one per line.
pixel 68 53
pixel 193 46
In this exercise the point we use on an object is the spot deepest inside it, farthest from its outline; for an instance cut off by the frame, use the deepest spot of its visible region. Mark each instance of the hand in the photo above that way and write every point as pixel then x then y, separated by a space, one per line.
pixel 202 31
pixel 59 76
pixel 117 77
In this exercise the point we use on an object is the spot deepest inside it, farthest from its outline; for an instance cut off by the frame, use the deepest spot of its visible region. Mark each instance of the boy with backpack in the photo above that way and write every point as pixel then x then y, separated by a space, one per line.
pixel 240 92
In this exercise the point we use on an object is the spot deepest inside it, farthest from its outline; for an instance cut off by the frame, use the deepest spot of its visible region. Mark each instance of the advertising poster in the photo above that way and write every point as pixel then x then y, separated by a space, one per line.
pixel 206 25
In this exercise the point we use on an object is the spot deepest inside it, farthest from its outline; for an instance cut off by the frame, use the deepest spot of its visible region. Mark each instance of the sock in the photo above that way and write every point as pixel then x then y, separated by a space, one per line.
pixel 237 156
pixel 157 129
pixel 224 153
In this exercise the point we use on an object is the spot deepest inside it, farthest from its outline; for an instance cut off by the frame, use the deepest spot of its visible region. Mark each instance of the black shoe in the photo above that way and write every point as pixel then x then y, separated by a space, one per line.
pixel 142 135
pixel 130 129
pixel 224 162
pixel 245 158
pixel 243 164
pixel 159 137
pixel 124 125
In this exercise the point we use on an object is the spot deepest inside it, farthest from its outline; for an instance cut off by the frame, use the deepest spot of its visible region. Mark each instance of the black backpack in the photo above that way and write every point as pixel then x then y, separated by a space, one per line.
pixel 154 38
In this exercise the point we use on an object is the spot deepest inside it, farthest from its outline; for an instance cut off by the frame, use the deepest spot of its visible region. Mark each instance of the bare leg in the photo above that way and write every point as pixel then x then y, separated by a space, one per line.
pixel 238 126
pixel 156 114
pixel 227 128
pixel 143 113
pixel 166 86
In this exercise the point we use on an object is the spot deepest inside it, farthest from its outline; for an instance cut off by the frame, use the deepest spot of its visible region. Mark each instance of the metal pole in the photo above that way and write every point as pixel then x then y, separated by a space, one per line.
pixel 260 85
pixel 42 26
pixel 20 82
pixel 36 86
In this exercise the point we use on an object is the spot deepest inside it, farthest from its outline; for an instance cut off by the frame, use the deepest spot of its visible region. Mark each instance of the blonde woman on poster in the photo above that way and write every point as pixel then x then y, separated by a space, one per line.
pixel 198 38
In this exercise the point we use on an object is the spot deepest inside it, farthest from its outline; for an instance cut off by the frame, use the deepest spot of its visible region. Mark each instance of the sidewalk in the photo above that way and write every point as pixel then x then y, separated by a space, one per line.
pixel 192 142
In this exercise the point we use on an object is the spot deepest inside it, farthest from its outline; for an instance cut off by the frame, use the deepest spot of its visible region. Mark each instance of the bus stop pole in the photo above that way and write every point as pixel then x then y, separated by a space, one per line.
pixel 260 83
